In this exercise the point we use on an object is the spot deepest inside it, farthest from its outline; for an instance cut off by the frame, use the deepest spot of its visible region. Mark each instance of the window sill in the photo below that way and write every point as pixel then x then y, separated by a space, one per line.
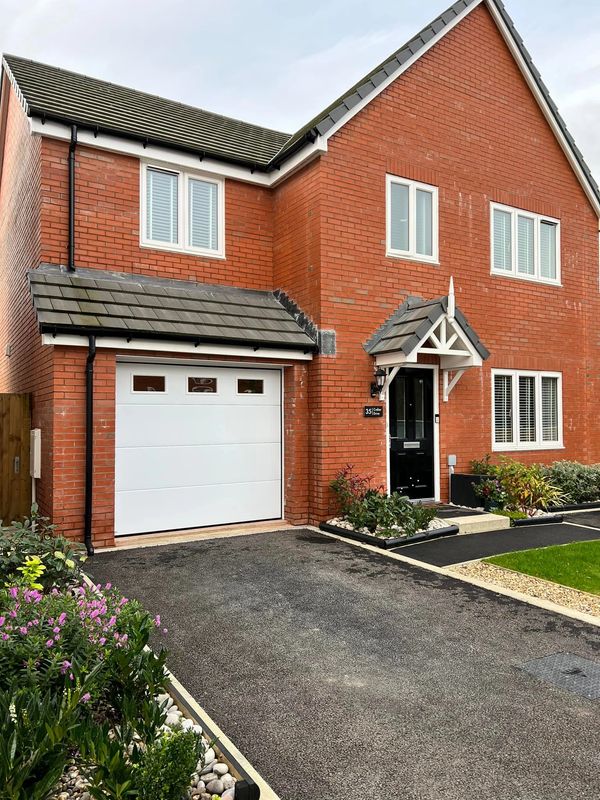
pixel 185 251
pixel 497 448
pixel 513 276
pixel 434 262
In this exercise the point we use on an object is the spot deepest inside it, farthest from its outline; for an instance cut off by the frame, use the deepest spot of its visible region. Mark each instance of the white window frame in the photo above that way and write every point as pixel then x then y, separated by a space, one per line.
pixel 183 193
pixel 411 254
pixel 537 220
pixel 539 443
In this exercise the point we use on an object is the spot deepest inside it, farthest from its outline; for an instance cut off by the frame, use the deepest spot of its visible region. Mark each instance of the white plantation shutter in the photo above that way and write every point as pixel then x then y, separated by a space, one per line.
pixel 502 233
pixel 399 210
pixel 549 409
pixel 203 214
pixel 525 251
pixel 424 222
pixel 548 250
pixel 527 432
pixel 503 416
pixel 162 206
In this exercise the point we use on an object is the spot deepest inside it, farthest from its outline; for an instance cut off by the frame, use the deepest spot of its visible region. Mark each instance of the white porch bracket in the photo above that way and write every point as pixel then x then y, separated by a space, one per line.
pixel 390 377
pixel 449 384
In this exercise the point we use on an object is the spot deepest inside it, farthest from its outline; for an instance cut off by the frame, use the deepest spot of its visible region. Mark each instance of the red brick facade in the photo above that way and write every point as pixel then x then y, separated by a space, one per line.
pixel 462 119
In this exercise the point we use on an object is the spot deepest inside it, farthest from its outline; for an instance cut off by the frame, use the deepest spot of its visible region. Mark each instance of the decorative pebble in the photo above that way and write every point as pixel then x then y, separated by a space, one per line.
pixel 210 755
pixel 209 776
pixel 221 769
pixel 228 781
pixel 228 794
pixel 207 768
pixel 215 787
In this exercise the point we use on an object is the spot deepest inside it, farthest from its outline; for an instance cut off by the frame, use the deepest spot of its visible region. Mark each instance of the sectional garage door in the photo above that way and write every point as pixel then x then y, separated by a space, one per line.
pixel 196 446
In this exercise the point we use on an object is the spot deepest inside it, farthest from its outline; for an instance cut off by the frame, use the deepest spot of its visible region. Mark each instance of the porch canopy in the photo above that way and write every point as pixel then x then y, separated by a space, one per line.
pixel 428 327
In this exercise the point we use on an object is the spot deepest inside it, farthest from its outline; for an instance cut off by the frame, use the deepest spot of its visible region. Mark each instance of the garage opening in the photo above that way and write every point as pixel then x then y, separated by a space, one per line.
pixel 196 446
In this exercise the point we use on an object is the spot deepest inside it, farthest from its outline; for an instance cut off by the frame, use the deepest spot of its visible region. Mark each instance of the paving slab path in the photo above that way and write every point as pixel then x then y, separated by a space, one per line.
pixel 341 673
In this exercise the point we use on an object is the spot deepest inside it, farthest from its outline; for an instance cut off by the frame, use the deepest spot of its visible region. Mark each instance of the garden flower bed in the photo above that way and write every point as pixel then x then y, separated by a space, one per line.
pixel 530 494
pixel 85 709
pixel 387 539
pixel 368 514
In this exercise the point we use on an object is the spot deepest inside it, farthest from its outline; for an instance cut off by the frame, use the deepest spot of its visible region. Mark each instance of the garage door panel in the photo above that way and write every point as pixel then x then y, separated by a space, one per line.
pixel 187 459
pixel 172 509
pixel 165 425
pixel 204 465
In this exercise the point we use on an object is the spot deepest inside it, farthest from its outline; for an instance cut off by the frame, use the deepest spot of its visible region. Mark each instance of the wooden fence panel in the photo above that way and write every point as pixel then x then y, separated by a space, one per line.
pixel 15 482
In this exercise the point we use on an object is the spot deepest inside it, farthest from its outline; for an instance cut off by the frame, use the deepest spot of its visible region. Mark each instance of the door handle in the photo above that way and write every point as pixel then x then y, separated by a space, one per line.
pixel 16 465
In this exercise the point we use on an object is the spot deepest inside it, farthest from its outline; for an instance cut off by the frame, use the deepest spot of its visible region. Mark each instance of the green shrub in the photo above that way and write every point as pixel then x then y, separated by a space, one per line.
pixel 482 466
pixel 366 507
pixel 512 515
pixel 168 764
pixel 579 483
pixel 518 487
pixel 36 537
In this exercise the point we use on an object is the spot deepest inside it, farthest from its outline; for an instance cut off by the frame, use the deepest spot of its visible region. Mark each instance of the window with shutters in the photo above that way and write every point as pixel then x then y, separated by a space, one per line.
pixel 182 211
pixel 525 245
pixel 527 410
pixel 412 219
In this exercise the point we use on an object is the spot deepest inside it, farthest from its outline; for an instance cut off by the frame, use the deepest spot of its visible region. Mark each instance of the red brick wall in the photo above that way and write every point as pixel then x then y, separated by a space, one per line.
pixel 464 120
pixel 29 367
pixel 107 222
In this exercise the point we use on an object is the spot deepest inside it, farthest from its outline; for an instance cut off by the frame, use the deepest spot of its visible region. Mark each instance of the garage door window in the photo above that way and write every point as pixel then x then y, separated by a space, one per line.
pixel 149 383
pixel 250 386
pixel 204 385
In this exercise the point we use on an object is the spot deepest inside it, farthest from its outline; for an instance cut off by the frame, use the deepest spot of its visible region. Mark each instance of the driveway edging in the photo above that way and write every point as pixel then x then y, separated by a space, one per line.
pixel 532 601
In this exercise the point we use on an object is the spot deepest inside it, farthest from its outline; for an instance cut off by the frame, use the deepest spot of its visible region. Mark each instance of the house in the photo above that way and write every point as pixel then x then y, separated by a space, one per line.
pixel 213 317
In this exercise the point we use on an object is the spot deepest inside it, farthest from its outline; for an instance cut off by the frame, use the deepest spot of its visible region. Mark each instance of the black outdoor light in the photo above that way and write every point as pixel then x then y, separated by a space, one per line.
pixel 379 382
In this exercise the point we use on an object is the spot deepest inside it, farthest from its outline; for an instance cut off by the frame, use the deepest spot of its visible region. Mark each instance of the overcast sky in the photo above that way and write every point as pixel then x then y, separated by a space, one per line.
pixel 278 62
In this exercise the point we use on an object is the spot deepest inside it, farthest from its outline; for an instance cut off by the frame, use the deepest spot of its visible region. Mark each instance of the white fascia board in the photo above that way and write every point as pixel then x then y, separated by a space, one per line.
pixel 176 158
pixel 118 343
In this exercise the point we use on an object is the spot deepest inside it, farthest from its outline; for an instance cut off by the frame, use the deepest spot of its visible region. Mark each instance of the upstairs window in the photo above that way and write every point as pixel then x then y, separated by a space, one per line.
pixel 525 245
pixel 412 219
pixel 182 211
pixel 527 410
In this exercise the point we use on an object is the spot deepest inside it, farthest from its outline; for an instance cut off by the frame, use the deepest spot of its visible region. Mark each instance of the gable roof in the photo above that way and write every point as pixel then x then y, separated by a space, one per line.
pixel 55 94
pixel 63 96
pixel 140 306
pixel 413 320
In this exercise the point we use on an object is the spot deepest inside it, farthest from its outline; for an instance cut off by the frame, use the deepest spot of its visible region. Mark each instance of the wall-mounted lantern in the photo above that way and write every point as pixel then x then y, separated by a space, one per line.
pixel 379 382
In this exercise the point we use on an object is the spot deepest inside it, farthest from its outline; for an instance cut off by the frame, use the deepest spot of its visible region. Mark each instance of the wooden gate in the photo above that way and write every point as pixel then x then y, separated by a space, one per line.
pixel 15 482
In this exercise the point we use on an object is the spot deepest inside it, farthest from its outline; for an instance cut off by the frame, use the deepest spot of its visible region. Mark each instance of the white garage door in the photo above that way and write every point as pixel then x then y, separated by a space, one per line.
pixel 196 446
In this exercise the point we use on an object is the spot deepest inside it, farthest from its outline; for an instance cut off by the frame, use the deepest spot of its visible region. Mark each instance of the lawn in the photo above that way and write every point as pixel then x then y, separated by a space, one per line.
pixel 576 564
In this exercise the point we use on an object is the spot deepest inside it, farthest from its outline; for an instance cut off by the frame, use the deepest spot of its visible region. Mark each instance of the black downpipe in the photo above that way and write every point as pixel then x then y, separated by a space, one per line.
pixel 72 146
pixel 89 444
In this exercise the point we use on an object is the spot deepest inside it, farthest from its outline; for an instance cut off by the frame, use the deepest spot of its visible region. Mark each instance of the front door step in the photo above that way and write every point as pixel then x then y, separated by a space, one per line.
pixel 478 523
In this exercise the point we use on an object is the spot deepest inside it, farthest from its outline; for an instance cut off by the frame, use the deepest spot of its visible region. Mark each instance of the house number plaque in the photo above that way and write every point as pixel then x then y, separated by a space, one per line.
pixel 373 411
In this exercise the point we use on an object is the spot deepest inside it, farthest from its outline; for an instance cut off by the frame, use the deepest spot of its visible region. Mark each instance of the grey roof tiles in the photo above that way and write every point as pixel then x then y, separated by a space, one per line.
pixel 139 305
pixel 407 326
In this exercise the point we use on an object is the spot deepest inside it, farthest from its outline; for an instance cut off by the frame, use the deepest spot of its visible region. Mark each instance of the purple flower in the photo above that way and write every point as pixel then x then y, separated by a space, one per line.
pixel 13 591
pixel 5 636
pixel 56 630
pixel 85 698
pixel 102 640
pixel 23 630
pixel 62 618
pixel 50 642
pixel 65 666
pixel 157 620
pixel 71 678
pixel 165 630
pixel 2 620
pixel 108 586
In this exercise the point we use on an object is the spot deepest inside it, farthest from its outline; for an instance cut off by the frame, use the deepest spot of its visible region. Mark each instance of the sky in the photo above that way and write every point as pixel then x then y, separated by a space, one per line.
pixel 279 62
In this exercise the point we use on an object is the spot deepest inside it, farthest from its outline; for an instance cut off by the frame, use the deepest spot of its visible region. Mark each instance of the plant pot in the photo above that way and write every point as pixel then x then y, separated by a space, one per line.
pixel 388 544
pixel 462 489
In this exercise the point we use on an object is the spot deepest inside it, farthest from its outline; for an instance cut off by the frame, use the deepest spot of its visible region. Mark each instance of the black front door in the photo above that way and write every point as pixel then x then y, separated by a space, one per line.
pixel 411 433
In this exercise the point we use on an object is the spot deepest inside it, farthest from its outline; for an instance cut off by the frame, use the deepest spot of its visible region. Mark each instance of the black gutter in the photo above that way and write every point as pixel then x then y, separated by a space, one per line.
pixel 72 146
pixel 146 140
pixel 89 444
pixel 130 336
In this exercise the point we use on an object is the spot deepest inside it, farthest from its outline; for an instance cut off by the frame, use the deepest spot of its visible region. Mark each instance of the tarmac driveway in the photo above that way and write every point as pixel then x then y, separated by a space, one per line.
pixel 343 674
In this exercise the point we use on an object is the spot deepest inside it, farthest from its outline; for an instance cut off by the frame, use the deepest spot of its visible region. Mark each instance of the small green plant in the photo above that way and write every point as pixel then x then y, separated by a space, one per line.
pixel 517 487
pixel 36 537
pixel 491 493
pixel 168 764
pixel 31 571
pixel 350 488
pixel 482 466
